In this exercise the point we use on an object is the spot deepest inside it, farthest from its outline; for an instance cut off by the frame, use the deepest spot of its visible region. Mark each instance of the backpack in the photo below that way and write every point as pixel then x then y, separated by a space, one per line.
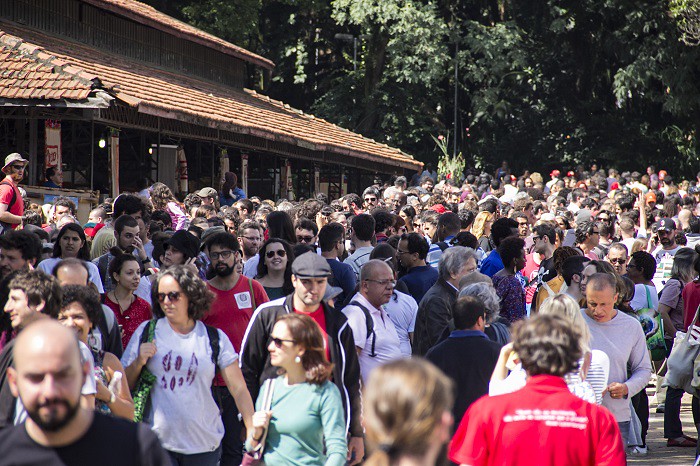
pixel 6 226
pixel 370 326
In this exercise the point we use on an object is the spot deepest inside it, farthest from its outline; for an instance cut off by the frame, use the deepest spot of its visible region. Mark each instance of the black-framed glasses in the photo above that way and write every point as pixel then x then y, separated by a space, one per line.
pixel 387 283
pixel 278 341
pixel 279 252
pixel 370 199
pixel 304 239
pixel 222 254
pixel 173 296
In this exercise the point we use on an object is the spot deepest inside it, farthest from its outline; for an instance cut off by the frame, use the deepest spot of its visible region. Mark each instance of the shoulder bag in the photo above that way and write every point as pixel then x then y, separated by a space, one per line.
pixel 653 329
pixel 681 365
pixel 142 391
pixel 255 457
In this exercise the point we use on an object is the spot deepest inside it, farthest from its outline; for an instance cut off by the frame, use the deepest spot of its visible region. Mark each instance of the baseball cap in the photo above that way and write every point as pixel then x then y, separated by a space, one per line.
pixel 554 173
pixel 311 265
pixel 207 192
pixel 667 224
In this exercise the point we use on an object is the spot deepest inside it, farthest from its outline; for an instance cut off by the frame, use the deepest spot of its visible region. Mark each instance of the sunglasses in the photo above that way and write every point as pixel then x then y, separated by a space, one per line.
pixel 173 296
pixel 370 199
pixel 617 261
pixel 278 341
pixel 18 167
pixel 279 252
pixel 222 254
pixel 304 239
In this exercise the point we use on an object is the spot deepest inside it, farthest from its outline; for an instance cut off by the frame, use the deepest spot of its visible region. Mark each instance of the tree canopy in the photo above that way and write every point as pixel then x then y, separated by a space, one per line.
pixel 539 84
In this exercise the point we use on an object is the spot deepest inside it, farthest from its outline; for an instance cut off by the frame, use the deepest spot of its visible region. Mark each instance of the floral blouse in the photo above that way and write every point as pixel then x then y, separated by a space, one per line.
pixel 512 295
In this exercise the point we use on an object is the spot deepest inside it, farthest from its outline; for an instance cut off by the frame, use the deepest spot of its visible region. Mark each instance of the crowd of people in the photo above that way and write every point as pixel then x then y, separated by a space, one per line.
pixel 516 320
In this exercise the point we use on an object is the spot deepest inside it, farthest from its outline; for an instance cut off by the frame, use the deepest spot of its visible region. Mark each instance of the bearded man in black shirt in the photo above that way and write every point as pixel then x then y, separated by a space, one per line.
pixel 47 376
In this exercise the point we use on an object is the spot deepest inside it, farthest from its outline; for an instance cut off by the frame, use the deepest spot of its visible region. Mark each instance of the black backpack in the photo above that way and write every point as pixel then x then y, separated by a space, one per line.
pixel 370 326
pixel 212 333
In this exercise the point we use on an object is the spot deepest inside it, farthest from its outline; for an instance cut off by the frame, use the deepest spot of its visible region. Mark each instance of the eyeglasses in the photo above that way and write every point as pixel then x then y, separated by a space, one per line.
pixel 18 167
pixel 222 254
pixel 370 199
pixel 278 341
pixel 386 283
pixel 251 238
pixel 279 252
pixel 304 239
pixel 173 296
pixel 631 265
pixel 399 251
pixel 617 261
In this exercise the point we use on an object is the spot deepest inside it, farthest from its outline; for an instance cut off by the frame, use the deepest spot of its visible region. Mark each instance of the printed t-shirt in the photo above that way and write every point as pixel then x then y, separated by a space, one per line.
pixel 231 311
pixel 320 318
pixel 183 413
pixel 542 422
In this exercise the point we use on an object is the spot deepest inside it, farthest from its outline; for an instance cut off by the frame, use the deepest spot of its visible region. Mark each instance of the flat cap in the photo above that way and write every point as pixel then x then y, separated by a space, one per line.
pixel 207 192
pixel 311 265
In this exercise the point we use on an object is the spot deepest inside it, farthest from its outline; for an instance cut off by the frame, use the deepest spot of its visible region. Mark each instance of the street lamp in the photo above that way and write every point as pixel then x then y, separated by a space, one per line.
pixel 354 39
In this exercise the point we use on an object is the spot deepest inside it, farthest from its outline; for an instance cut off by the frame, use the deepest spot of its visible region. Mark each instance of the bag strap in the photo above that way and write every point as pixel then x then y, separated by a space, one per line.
pixel 646 288
pixel 213 335
pixel 149 332
pixel 268 390
pixel 370 327
pixel 252 294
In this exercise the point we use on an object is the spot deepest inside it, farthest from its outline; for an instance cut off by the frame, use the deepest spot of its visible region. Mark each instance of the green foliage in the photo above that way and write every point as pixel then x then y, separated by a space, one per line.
pixel 540 83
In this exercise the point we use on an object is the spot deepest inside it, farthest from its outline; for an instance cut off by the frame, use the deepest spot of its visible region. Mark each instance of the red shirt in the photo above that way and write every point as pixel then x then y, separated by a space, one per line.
pixel 138 312
pixel 6 198
pixel 320 318
pixel 691 301
pixel 232 309
pixel 543 424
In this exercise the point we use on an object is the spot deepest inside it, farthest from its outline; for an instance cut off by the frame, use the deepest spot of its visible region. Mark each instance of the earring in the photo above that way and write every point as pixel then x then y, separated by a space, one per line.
pixel 297 360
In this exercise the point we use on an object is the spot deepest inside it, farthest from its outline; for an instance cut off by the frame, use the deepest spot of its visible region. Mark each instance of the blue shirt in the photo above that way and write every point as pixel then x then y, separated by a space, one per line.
pixel 492 264
pixel 419 279
pixel 468 333
pixel 344 277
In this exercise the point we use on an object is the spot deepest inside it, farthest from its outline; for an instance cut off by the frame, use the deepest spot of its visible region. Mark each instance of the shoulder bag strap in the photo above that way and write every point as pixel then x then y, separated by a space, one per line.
pixel 646 288
pixel 252 294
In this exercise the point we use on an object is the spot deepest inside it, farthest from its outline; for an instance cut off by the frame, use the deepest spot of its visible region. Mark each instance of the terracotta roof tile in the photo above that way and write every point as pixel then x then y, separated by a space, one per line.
pixel 178 96
pixel 23 77
pixel 146 14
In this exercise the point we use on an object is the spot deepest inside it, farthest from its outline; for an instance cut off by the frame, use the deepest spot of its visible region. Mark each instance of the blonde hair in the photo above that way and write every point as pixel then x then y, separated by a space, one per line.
pixel 480 222
pixel 403 403
pixel 565 306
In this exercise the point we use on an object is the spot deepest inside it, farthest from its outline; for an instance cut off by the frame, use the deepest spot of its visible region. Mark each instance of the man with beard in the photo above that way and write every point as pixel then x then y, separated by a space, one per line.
pixel 126 232
pixel 47 376
pixel 664 252
pixel 250 238
pixel 236 299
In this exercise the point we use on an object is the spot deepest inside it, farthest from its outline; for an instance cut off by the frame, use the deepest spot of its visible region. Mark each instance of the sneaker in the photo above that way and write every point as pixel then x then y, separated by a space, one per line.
pixel 638 450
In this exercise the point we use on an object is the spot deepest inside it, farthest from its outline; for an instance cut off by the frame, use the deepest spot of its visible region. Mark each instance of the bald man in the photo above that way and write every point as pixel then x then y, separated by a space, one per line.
pixel 106 333
pixel 376 338
pixel 47 376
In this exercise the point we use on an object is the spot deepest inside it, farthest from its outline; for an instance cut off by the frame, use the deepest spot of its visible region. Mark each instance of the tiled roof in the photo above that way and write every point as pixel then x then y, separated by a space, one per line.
pixel 149 16
pixel 26 72
pixel 178 96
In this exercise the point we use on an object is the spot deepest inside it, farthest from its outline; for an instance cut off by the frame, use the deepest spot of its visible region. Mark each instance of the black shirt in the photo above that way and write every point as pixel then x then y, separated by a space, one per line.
pixel 109 441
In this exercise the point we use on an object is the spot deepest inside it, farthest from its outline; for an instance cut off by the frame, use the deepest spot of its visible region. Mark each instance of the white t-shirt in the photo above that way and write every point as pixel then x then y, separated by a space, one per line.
pixel 47 266
pixel 183 413
pixel 89 387
pixel 250 268
pixel 402 310
pixel 664 264
pixel 386 345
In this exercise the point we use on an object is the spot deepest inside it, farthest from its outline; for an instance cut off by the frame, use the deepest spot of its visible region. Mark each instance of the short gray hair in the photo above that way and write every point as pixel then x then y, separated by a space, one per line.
pixel 487 295
pixel 453 260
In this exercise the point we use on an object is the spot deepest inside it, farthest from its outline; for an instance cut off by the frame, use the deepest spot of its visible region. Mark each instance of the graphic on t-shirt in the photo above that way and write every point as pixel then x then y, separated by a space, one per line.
pixel 551 418
pixel 177 379
pixel 243 300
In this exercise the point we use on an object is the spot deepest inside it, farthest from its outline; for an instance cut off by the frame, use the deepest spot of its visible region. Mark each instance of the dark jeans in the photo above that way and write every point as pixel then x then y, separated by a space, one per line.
pixel 231 444
pixel 640 402
pixel 673 428
pixel 210 458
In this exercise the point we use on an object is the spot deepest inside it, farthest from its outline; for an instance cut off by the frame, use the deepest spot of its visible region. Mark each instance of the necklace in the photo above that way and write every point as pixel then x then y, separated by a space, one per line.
pixel 122 308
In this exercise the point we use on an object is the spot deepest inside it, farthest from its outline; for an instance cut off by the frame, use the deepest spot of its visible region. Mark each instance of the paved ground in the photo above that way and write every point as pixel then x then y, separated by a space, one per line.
pixel 659 454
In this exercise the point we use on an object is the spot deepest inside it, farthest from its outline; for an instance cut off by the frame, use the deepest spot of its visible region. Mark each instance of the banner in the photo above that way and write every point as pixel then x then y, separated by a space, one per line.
pixel 317 179
pixel 244 173
pixel 289 187
pixel 182 179
pixel 114 160
pixel 52 144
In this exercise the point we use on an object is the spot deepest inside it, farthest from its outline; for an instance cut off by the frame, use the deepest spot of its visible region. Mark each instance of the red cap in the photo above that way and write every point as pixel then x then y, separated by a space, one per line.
pixel 555 173
pixel 439 208
pixel 571 174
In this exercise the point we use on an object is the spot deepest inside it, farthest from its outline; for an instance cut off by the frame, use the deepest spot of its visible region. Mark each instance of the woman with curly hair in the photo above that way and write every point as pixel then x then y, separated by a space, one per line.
pixel 182 354
pixel 274 272
pixel 482 230
pixel 162 198
pixel 308 427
